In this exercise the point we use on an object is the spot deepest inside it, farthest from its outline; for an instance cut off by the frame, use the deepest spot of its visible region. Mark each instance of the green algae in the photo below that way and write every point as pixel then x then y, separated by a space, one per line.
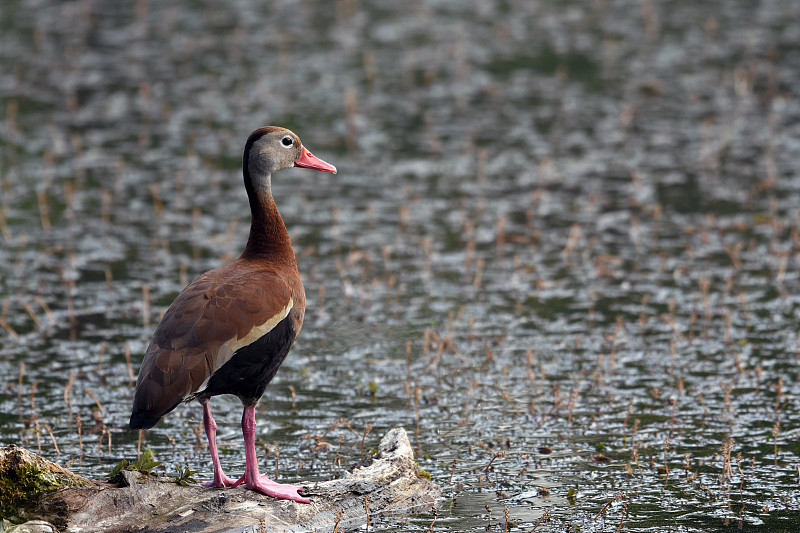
pixel 25 478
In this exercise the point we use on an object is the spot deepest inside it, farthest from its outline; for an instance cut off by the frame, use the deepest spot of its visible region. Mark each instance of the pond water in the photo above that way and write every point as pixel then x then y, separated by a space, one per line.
pixel 562 249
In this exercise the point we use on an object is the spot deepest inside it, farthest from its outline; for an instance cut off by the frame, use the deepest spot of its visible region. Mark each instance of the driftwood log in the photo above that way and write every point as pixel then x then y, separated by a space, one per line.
pixel 390 485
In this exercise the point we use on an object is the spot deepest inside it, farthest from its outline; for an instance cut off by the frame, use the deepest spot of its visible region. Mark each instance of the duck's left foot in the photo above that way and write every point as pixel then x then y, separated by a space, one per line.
pixel 264 485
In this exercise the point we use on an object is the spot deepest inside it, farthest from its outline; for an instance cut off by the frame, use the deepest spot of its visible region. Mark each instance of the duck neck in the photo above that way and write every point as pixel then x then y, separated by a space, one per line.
pixel 268 238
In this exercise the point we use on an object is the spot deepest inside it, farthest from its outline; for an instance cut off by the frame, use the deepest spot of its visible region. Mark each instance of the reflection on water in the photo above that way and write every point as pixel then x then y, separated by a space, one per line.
pixel 561 249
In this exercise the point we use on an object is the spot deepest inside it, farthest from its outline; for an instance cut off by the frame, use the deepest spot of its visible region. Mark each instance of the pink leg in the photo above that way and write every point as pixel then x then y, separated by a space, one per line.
pixel 220 479
pixel 251 478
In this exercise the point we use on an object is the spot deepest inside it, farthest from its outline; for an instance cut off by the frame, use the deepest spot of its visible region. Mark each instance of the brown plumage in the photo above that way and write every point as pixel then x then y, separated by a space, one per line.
pixel 213 317
pixel 231 328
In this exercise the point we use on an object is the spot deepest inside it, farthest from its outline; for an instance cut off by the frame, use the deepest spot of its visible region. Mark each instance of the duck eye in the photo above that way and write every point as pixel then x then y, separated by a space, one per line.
pixel 287 141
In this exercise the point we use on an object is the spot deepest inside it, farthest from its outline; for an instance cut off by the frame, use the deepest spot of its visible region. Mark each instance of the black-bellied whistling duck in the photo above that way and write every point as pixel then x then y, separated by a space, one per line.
pixel 231 328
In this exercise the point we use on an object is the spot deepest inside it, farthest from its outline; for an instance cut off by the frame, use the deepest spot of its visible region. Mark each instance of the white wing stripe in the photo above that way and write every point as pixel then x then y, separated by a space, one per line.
pixel 227 350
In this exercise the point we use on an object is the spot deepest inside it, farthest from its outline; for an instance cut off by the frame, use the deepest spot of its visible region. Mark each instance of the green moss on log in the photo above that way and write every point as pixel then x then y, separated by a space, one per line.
pixel 25 477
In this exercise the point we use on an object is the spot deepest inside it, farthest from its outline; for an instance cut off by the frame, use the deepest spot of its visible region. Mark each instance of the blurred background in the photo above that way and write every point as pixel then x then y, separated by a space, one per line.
pixel 561 249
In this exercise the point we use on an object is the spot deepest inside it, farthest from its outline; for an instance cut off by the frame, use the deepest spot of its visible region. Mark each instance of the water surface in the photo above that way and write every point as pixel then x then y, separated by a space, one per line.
pixel 561 249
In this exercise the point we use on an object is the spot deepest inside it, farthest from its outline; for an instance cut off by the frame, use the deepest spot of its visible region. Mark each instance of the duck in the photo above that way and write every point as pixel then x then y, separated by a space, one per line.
pixel 231 328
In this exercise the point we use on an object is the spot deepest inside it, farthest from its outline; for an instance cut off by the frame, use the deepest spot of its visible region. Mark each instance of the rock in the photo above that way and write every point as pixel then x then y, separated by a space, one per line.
pixel 33 526
pixel 389 484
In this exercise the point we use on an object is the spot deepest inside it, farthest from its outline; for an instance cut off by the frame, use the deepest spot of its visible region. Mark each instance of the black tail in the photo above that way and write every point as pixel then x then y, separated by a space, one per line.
pixel 144 414
pixel 139 421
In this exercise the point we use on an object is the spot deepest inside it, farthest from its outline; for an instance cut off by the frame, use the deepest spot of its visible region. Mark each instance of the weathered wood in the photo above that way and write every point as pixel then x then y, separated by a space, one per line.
pixel 25 477
pixel 390 485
